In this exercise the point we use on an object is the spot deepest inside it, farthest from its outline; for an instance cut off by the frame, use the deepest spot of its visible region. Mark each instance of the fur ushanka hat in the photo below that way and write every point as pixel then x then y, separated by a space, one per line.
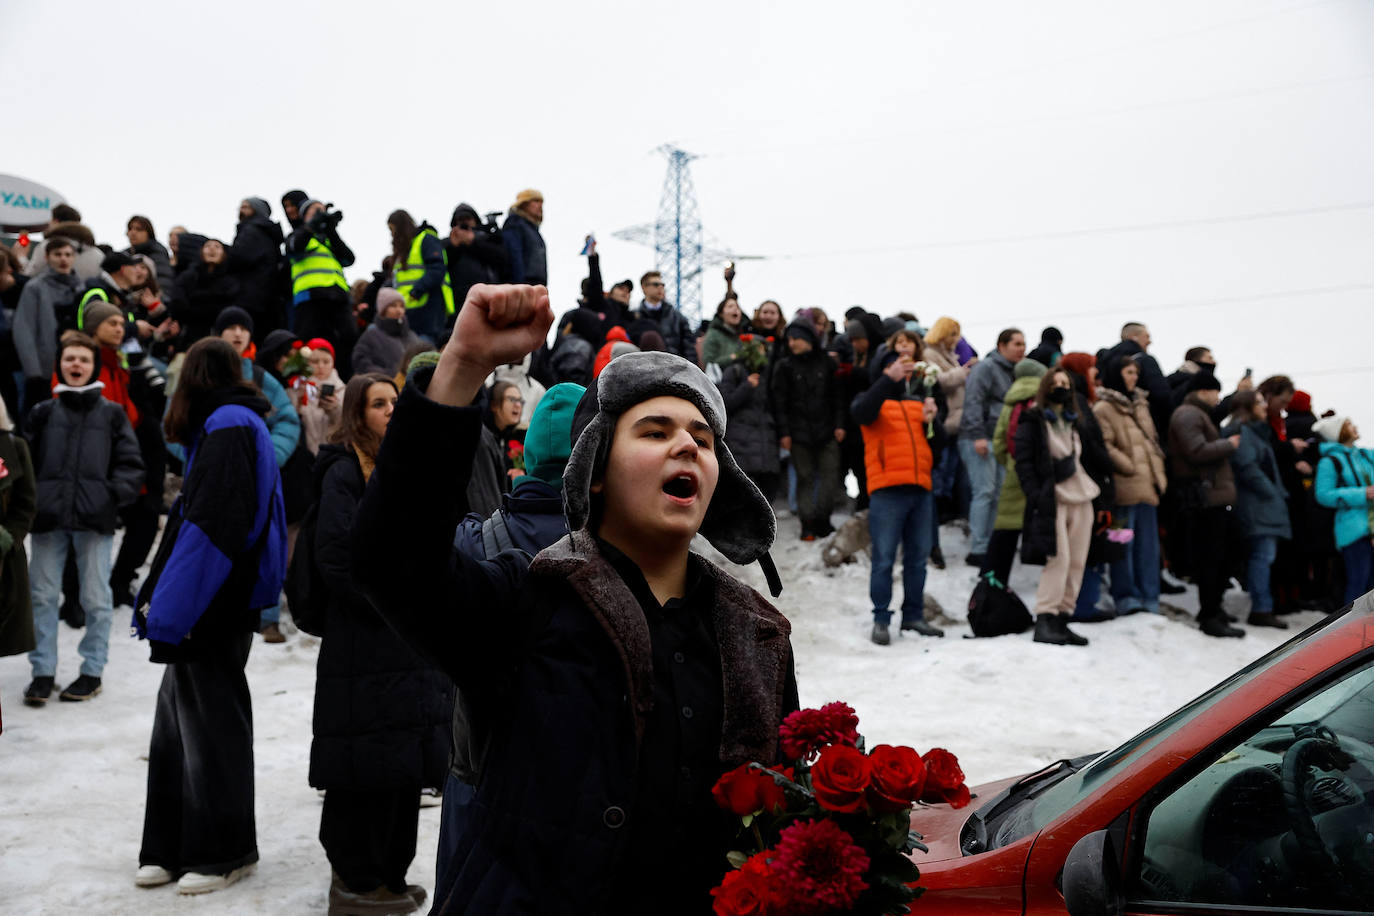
pixel 739 522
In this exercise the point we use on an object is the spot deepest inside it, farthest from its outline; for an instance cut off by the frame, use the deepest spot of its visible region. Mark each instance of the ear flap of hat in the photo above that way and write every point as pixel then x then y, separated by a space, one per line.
pixel 739 522
pixel 588 452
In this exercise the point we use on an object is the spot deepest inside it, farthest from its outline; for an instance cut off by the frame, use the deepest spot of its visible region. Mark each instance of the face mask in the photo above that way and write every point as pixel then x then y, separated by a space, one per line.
pixel 1061 395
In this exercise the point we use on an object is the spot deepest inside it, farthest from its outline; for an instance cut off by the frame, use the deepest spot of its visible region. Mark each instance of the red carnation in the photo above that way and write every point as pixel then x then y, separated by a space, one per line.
pixel 296 344
pixel 746 337
pixel 820 867
pixel 769 339
pixel 747 891
pixel 944 779
pixel 749 790
pixel 899 775
pixel 840 777
pixel 808 730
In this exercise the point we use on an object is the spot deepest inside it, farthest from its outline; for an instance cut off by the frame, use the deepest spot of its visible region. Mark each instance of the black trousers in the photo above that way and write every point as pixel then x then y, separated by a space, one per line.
pixel 1001 554
pixel 140 531
pixel 1209 542
pixel 369 837
pixel 199 812
pixel 328 313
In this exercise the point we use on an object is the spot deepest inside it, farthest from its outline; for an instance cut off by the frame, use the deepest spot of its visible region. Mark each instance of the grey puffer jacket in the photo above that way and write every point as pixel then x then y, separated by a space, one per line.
pixel 983 394
pixel 86 461
pixel 749 422
pixel 382 345
pixel 1197 453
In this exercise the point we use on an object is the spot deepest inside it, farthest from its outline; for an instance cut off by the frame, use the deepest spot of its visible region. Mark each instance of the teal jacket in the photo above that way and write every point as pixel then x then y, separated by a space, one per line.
pixel 1343 473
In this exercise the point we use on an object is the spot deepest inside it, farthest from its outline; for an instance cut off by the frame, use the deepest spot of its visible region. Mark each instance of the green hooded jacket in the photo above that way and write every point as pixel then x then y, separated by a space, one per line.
pixel 1011 505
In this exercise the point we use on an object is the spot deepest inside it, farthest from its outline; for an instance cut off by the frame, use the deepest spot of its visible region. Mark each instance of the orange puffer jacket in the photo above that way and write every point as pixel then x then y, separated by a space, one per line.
pixel 895 448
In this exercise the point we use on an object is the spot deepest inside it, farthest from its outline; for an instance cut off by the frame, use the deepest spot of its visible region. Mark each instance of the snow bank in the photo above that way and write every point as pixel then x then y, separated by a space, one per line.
pixel 73 783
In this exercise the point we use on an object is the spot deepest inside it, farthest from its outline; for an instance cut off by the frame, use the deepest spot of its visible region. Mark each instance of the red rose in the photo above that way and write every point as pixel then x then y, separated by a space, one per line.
pixel 745 892
pixel 899 775
pixel 749 790
pixel 746 337
pixel 944 779
pixel 808 730
pixel 839 778
pixel 821 869
pixel 769 339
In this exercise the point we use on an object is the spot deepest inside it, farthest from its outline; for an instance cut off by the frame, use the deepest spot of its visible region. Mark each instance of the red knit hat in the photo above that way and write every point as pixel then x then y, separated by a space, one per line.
pixel 319 343
pixel 1301 403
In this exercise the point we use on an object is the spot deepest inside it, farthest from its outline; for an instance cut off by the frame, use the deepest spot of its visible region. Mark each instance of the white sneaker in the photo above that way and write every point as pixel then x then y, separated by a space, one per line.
pixel 152 876
pixel 193 883
pixel 431 798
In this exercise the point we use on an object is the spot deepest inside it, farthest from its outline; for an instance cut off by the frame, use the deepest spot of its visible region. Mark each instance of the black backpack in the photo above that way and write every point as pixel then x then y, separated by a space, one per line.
pixel 306 593
pixel 995 610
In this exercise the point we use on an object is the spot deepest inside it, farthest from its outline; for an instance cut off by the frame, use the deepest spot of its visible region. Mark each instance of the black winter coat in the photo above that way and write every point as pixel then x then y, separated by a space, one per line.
pixel 202 293
pixel 749 421
pixel 381 714
pixel 1036 471
pixel 558 653
pixel 86 461
pixel 258 265
pixel 484 261
pixel 806 398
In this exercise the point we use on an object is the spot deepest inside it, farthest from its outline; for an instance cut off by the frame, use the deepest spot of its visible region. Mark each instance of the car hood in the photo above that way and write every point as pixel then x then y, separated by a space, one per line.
pixel 940 824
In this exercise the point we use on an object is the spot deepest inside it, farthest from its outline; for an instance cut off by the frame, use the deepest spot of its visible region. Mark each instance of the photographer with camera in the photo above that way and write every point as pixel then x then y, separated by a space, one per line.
pixel 320 302
pixel 475 253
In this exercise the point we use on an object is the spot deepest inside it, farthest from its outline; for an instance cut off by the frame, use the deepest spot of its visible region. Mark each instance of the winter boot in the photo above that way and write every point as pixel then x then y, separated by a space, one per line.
pixel 881 637
pixel 273 633
pixel 84 687
pixel 1219 626
pixel 37 693
pixel 1047 631
pixel 344 902
pixel 920 626
pixel 1070 637
pixel 1267 620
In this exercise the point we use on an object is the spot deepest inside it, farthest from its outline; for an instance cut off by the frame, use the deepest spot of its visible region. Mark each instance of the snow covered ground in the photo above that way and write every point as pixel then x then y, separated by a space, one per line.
pixel 72 775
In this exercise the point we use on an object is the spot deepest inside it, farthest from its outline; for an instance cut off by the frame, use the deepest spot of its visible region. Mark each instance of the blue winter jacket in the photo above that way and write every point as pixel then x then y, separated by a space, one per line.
pixel 283 422
pixel 223 554
pixel 1343 472
pixel 1261 500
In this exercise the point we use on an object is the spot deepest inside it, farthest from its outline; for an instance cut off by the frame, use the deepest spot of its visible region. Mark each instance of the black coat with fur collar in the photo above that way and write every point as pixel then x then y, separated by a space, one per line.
pixel 557 654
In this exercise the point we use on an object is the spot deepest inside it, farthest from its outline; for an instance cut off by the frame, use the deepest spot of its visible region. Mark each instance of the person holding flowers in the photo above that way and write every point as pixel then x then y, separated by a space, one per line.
pixel 754 440
pixel 723 336
pixel 621 673
pixel 899 416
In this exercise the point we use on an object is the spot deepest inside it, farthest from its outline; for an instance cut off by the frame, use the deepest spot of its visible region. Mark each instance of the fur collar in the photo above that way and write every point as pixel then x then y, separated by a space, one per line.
pixel 755 651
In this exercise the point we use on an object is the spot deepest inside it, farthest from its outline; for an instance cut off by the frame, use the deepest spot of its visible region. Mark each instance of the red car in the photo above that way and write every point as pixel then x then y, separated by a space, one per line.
pixel 1255 798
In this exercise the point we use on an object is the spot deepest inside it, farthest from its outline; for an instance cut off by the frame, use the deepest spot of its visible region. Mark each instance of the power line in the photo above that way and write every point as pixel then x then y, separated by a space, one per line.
pixel 1080 233
pixel 1044 119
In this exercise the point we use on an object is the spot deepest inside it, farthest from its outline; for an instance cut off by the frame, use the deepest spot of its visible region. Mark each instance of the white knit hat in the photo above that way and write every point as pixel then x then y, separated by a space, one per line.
pixel 1329 428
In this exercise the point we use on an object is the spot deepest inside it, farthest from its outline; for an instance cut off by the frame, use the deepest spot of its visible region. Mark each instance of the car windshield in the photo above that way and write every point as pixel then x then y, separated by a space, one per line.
pixel 1025 812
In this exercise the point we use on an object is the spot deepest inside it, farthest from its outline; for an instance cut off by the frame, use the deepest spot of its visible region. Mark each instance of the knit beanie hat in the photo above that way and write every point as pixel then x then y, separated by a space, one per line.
pixel 319 343
pixel 802 327
pixel 259 206
pixel 232 316
pixel 274 345
pixel 117 260
pixel 296 197
pixel 548 442
pixel 1029 368
pixel 429 358
pixel 1301 403
pixel 1203 381
pixel 95 313
pixel 1329 428
pixel 739 522
pixel 854 330
pixel 386 296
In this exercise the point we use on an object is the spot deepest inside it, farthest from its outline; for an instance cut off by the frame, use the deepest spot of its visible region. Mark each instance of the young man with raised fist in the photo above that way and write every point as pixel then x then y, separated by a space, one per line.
pixel 618 673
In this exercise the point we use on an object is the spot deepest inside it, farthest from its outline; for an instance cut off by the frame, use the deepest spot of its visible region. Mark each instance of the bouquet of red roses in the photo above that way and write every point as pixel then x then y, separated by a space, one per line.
pixel 753 351
pixel 831 833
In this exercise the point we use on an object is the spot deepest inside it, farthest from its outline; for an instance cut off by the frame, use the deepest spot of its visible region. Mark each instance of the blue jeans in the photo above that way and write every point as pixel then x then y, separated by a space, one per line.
pixel 454 821
pixel 1135 577
pixel 93 557
pixel 1088 594
pixel 1263 550
pixel 899 515
pixel 985 475
pixel 1359 568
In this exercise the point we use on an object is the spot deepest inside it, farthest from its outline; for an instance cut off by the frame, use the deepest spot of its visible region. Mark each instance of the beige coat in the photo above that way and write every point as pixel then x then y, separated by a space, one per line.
pixel 952 379
pixel 316 422
pixel 1133 443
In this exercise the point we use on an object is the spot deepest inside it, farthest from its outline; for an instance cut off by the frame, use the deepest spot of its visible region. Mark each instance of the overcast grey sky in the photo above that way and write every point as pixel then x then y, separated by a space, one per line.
pixel 1202 165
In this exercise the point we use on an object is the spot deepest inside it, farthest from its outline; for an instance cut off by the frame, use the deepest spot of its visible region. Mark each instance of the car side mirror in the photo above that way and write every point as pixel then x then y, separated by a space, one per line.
pixel 1092 877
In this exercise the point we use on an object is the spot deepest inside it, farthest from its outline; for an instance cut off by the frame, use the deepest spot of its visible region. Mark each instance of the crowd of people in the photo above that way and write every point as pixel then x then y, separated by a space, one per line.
pixel 252 382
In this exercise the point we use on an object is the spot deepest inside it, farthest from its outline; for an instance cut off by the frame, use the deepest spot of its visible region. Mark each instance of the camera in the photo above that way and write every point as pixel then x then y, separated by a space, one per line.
pixel 325 222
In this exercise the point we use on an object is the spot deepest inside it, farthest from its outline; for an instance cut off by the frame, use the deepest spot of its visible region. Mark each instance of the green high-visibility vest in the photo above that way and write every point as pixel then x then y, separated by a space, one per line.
pixel 408 274
pixel 317 269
